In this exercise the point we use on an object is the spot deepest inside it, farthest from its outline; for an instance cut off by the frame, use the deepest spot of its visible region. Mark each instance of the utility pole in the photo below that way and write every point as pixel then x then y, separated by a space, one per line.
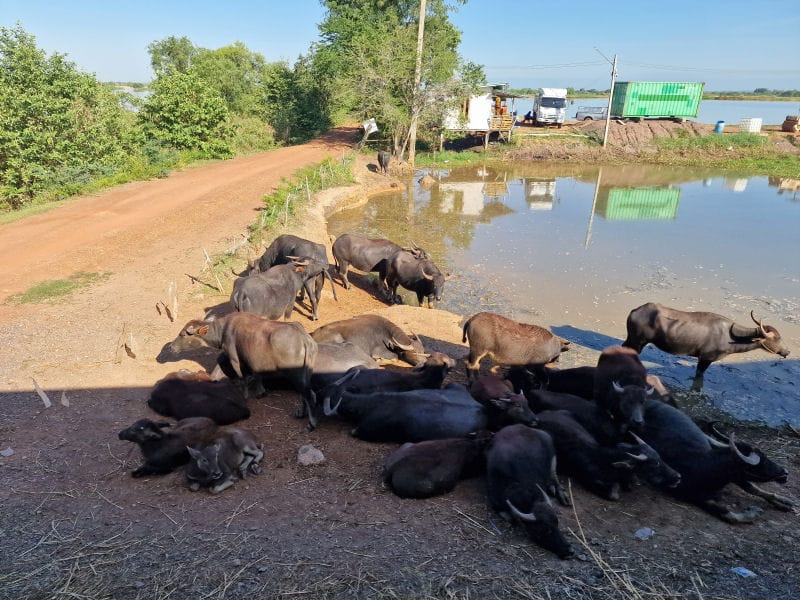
pixel 610 94
pixel 412 128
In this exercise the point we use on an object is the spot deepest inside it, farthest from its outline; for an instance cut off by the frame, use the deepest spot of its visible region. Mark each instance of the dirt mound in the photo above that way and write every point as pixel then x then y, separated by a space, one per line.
pixel 636 137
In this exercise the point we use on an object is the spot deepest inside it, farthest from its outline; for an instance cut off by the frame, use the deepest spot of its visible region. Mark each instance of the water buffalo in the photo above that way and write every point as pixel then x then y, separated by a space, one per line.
pixel 520 470
pixel 707 464
pixel 226 459
pixel 272 293
pixel 417 274
pixel 253 345
pixel 183 394
pixel 603 470
pixel 433 467
pixel 508 342
pixel 365 254
pixel 419 415
pixel 163 451
pixel 375 335
pixel 283 250
pixel 620 385
pixel 383 161
pixel 707 336
pixel 335 360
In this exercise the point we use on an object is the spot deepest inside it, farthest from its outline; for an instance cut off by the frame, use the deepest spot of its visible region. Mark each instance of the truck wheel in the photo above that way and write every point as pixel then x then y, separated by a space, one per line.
pixel 559 125
pixel 588 119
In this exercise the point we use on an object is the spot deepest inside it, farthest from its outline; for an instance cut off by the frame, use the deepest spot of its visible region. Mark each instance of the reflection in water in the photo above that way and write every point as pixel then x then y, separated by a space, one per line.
pixel 516 247
pixel 785 184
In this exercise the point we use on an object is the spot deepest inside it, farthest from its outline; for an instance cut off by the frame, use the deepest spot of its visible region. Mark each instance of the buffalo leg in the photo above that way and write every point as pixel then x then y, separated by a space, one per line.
pixel 779 502
pixel 343 268
pixel 723 512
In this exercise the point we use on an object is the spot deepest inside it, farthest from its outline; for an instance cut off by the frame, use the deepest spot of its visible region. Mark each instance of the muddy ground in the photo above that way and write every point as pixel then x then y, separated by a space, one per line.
pixel 74 524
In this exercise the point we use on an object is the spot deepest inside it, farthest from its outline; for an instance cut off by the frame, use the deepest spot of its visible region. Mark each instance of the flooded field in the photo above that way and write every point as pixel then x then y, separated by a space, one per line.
pixel 575 249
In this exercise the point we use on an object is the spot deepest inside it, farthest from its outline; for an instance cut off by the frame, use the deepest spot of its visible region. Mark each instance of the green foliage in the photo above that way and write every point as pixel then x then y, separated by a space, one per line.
pixel 56 123
pixel 717 142
pixel 55 289
pixel 171 55
pixel 186 113
pixel 368 58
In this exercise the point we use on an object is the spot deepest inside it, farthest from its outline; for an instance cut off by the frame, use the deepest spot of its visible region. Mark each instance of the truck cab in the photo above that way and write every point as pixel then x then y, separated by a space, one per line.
pixel 550 106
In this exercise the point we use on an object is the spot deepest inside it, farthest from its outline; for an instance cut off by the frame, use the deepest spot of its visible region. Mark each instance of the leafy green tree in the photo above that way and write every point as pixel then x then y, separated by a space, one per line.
pixel 57 124
pixel 171 55
pixel 368 53
pixel 185 112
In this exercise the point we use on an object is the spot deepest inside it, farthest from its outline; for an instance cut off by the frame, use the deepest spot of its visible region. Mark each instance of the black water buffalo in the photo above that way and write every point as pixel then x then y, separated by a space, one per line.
pixel 383 161
pixel 433 467
pixel 428 375
pixel 272 293
pixel 183 394
pixel 253 345
pixel 620 385
pixel 520 471
pixel 284 249
pixel 417 274
pixel 599 423
pixel 707 336
pixel 375 335
pixel 419 415
pixel 603 470
pixel 707 464
pixel 508 342
pixel 365 254
pixel 578 381
pixel 164 446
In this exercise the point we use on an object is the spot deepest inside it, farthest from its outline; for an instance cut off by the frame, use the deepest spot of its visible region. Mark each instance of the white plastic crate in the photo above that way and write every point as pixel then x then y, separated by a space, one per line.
pixel 750 125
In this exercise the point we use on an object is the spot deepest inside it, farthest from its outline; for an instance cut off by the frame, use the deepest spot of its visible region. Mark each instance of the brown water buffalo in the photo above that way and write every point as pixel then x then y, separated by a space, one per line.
pixel 508 342
pixel 365 254
pixel 708 336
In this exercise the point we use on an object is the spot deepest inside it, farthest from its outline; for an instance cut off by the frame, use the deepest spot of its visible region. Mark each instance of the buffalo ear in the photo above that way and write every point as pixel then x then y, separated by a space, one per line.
pixel 195 454
pixel 202 331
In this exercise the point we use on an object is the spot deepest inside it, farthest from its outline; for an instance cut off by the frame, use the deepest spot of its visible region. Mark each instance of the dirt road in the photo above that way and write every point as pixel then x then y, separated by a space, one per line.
pixel 75 524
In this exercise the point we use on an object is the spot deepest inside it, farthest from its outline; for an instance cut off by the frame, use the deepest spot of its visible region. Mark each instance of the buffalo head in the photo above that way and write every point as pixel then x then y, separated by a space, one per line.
pixel 771 339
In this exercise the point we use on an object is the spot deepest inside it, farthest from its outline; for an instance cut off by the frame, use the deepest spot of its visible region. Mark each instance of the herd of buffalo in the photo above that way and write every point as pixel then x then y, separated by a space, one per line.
pixel 521 424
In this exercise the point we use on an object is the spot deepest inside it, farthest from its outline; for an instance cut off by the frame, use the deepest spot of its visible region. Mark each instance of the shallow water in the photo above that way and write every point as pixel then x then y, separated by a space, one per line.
pixel 546 244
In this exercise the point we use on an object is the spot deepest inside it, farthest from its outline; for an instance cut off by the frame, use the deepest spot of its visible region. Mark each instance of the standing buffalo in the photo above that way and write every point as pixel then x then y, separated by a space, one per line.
pixel 707 336
pixel 253 345
pixel 509 342
pixel 520 470
pixel 272 293
pixel 286 248
pixel 377 336
pixel 417 273
pixel 368 255
pixel 383 161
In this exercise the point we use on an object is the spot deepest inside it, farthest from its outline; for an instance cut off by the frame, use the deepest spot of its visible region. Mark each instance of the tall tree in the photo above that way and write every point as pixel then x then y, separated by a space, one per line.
pixel 171 55
pixel 368 48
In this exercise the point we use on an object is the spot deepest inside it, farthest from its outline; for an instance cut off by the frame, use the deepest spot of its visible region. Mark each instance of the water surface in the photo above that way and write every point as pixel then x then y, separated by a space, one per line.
pixel 576 248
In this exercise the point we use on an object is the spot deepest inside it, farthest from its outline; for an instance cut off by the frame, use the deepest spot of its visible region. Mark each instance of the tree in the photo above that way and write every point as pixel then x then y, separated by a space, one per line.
pixel 171 55
pixel 186 113
pixel 57 124
pixel 368 52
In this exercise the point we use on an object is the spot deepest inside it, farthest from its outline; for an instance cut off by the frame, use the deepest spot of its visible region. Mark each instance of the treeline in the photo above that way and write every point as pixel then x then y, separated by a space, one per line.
pixel 63 131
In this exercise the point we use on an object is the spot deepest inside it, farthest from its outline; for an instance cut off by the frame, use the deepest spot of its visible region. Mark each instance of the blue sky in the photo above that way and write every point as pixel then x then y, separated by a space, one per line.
pixel 729 44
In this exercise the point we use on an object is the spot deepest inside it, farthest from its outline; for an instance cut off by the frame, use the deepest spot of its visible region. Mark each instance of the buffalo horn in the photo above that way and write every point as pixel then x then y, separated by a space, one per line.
pixel 641 442
pixel 545 496
pixel 640 457
pixel 406 347
pixel 757 322
pixel 530 517
pixel 426 276
pixel 715 442
pixel 617 387
pixel 752 459
pixel 649 390
pixel 326 406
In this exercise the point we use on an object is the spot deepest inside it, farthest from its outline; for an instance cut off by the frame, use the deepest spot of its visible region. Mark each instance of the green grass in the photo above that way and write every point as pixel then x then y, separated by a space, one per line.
pixel 53 290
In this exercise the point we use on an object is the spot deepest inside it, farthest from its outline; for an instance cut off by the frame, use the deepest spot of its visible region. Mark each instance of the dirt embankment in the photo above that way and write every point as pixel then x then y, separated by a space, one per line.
pixel 75 524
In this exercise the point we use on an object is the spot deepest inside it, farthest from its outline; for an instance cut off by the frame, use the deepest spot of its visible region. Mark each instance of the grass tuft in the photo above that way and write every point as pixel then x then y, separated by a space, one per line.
pixel 52 290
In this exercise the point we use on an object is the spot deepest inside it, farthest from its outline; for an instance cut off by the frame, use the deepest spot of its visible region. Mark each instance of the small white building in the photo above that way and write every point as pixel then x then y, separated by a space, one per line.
pixel 490 110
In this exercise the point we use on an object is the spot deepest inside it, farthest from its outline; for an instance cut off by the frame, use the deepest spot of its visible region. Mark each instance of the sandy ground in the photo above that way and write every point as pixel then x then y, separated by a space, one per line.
pixel 75 524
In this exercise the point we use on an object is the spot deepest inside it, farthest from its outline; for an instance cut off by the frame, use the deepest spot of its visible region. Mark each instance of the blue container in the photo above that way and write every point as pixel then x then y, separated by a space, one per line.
pixel 720 127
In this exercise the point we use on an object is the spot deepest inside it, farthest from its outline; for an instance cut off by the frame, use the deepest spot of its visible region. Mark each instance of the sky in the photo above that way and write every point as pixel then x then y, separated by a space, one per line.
pixel 728 44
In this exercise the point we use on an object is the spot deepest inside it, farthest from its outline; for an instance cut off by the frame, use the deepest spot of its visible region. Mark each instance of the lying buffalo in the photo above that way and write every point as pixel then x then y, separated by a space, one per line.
pixel 707 336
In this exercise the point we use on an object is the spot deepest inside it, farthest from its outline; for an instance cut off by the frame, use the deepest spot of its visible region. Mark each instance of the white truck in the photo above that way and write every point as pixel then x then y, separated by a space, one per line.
pixel 550 106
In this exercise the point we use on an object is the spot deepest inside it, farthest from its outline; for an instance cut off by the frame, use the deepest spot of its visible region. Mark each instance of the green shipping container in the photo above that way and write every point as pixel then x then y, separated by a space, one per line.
pixel 640 99
pixel 638 204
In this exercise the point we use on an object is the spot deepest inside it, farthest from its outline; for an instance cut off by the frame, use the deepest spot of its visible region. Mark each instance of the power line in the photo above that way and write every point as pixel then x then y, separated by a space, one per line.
pixel 706 69
pixel 559 66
